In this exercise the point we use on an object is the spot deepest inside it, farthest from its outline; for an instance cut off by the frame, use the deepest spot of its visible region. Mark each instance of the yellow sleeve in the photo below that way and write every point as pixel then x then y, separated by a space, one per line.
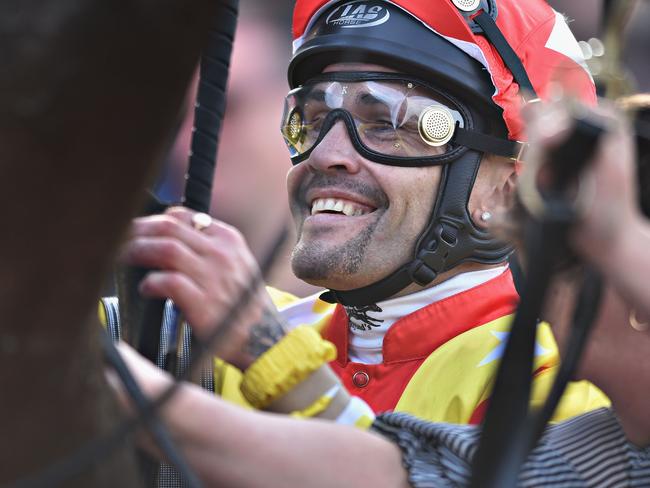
pixel 578 398
pixel 280 298
pixel 297 311
pixel 227 380
pixel 101 313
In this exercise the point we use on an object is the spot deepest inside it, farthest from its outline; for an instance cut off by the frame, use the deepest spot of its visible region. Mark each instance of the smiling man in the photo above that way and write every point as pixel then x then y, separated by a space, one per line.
pixel 354 217
pixel 403 128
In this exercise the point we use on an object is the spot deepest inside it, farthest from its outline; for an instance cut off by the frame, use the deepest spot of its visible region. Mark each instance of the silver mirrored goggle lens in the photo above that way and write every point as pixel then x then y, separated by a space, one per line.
pixel 393 118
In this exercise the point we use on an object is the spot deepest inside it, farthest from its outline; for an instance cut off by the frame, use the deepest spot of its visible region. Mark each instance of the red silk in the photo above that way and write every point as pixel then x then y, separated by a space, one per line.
pixel 526 25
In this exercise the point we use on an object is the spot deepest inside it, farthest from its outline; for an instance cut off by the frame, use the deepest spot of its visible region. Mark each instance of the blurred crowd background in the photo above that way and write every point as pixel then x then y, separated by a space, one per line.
pixel 249 189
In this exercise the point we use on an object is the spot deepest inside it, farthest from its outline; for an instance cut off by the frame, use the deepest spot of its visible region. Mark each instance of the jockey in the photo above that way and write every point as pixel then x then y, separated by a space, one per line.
pixel 403 127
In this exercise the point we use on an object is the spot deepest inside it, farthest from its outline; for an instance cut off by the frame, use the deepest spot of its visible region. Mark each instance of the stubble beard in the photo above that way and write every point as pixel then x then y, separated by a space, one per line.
pixel 314 263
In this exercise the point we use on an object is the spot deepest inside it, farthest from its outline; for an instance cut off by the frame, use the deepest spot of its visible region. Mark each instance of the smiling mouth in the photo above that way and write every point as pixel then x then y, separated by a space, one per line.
pixel 339 206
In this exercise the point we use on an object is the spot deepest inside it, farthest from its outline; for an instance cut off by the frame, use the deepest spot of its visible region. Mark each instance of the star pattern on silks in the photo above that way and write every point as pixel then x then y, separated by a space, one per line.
pixel 496 353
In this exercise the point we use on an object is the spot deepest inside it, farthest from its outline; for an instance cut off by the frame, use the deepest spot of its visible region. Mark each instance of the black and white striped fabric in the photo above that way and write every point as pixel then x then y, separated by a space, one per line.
pixel 589 450
pixel 168 477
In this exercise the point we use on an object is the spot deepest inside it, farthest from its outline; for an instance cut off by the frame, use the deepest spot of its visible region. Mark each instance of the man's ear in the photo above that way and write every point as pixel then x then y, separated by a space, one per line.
pixel 494 189
pixel 510 184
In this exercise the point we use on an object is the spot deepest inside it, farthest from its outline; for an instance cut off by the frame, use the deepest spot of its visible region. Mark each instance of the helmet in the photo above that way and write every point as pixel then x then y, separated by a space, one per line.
pixel 484 58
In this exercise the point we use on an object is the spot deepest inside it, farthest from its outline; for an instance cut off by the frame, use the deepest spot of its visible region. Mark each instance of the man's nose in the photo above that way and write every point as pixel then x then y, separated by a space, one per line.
pixel 335 152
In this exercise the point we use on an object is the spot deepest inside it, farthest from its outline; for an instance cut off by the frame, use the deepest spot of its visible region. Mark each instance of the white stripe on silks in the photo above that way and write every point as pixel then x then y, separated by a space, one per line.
pixel 355 409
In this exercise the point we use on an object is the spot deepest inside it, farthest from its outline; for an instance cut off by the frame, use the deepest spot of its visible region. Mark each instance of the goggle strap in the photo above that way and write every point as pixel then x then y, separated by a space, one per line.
pixel 508 55
pixel 488 144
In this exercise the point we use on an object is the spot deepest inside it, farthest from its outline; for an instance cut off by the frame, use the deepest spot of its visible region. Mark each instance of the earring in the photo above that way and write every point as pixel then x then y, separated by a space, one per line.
pixel 485 216
pixel 636 324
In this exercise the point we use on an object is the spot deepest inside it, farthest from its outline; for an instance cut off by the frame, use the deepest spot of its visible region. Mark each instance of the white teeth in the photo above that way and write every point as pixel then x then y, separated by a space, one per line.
pixel 345 207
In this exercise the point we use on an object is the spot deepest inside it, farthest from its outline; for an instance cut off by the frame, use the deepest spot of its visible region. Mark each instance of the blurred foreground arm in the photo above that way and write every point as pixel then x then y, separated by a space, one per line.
pixel 230 446
pixel 613 234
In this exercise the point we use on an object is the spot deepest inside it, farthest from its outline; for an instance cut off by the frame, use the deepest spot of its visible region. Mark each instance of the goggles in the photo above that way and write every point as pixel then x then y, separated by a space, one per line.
pixel 390 118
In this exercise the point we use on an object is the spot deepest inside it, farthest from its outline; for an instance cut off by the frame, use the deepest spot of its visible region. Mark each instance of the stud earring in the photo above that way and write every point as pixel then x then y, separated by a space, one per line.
pixel 485 216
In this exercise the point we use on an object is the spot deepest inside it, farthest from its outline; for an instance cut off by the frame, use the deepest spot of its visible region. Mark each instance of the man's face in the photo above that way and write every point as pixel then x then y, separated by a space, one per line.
pixel 379 210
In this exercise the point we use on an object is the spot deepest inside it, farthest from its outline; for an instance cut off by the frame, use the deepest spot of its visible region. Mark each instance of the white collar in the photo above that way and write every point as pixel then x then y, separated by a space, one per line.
pixel 368 325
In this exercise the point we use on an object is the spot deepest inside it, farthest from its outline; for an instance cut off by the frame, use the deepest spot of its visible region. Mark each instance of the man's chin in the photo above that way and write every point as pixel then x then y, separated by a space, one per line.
pixel 315 270
pixel 333 282
pixel 322 262
pixel 325 267
pixel 338 282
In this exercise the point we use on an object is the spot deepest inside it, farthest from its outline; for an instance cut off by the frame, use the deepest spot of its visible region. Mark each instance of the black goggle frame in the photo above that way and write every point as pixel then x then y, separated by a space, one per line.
pixel 464 138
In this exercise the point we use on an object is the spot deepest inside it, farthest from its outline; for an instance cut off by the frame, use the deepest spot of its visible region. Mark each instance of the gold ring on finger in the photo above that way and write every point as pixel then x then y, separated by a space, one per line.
pixel 201 221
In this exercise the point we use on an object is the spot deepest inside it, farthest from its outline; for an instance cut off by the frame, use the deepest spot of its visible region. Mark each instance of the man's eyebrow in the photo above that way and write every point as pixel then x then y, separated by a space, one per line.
pixel 315 95
pixel 369 99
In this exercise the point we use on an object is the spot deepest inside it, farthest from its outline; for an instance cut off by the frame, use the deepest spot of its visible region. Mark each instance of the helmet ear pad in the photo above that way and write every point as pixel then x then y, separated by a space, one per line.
pixel 451 236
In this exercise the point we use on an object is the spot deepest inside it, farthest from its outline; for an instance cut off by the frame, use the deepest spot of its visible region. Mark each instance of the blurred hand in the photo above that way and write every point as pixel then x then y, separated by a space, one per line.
pixel 204 271
pixel 611 205
pixel 612 235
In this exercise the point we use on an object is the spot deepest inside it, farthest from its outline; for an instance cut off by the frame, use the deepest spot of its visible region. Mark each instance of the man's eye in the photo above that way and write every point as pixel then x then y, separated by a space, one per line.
pixel 385 124
pixel 379 131
pixel 313 123
pixel 380 126
pixel 315 116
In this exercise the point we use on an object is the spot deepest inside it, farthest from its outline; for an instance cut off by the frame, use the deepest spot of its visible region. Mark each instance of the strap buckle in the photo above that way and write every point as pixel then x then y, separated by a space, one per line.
pixel 523 147
pixel 431 260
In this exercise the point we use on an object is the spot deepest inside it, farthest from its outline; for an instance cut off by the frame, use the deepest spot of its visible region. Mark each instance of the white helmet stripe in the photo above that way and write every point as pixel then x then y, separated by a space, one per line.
pixel 562 41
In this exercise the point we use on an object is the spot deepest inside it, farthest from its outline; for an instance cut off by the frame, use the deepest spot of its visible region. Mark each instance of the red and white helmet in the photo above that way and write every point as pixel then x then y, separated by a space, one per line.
pixel 538 35
pixel 489 55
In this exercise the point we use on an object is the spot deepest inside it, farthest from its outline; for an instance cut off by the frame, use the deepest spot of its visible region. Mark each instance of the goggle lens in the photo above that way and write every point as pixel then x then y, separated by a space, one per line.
pixel 391 117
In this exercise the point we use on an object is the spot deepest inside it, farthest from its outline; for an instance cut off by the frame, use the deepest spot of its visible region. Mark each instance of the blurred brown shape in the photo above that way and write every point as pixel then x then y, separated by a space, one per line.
pixel 89 94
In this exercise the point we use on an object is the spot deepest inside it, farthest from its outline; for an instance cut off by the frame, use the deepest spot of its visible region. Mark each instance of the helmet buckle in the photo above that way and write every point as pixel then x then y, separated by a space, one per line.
pixel 421 274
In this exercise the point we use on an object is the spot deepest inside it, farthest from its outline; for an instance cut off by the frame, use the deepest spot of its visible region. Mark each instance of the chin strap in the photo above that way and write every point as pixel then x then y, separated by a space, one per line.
pixel 450 239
